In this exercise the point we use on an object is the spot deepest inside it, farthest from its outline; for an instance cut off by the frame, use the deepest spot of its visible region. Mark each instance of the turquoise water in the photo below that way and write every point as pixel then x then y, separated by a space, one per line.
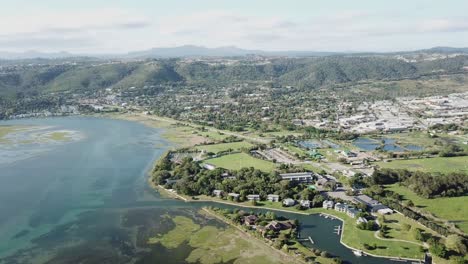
pixel 87 201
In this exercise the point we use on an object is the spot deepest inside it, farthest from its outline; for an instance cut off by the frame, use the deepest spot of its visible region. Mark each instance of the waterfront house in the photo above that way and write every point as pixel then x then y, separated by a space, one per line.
pixel 288 202
pixel 305 203
pixel 298 176
pixel 253 197
pixel 273 197
pixel 250 220
pixel 235 196
pixel 328 204
pixel 352 212
pixel 341 207
pixel 273 225
pixel 217 193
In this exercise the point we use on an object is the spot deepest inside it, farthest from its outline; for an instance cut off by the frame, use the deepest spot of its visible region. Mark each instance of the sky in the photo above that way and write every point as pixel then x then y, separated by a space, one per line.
pixel 120 26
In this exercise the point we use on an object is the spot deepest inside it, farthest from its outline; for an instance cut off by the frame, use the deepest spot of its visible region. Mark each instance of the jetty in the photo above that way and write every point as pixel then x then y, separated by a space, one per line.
pixel 337 230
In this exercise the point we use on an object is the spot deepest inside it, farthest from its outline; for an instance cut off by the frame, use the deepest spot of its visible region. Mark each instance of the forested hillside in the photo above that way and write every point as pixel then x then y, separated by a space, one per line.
pixel 33 79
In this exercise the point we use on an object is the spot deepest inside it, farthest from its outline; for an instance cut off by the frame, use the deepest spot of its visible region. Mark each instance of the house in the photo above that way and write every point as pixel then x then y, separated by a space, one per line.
pixel 298 176
pixel 328 204
pixel 235 196
pixel 305 203
pixel 288 202
pixel 352 212
pixel 250 220
pixel 273 225
pixel 253 197
pixel 170 181
pixel 348 154
pixel 322 181
pixel 226 175
pixel 278 226
pixel 217 193
pixel 273 197
pixel 209 166
pixel 341 207
pixel 361 220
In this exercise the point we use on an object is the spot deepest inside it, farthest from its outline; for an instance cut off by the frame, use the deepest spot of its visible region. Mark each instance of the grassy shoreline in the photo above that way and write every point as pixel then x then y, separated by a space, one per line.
pixel 350 237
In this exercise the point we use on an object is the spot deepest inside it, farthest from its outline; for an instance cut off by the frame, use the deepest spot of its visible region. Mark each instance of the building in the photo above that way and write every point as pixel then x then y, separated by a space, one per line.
pixel 273 225
pixel 169 181
pixel 298 176
pixel 289 202
pixel 341 207
pixel 366 200
pixel 217 193
pixel 234 196
pixel 375 206
pixel 273 197
pixel 209 166
pixel 253 197
pixel 361 220
pixel 250 220
pixel 305 203
pixel 328 204
pixel 348 154
pixel 350 211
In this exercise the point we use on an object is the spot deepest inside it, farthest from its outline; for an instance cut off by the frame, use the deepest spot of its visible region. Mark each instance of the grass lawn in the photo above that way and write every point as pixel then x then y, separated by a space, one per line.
pixel 438 164
pixel 215 148
pixel 449 208
pixel 395 223
pixel 212 135
pixel 241 160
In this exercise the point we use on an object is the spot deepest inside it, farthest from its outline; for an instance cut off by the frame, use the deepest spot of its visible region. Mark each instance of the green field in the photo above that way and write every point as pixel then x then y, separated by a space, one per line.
pixel 212 135
pixel 449 208
pixel 216 148
pixel 438 164
pixel 241 160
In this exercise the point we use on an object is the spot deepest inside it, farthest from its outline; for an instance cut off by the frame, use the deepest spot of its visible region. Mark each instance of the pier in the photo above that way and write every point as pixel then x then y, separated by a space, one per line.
pixel 337 230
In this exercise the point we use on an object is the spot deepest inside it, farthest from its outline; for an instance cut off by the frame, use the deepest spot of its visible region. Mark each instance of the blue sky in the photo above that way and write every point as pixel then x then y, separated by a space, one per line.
pixel 99 26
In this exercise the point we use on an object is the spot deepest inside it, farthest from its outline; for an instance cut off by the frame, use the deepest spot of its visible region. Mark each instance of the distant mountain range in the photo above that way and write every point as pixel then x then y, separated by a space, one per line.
pixel 199 51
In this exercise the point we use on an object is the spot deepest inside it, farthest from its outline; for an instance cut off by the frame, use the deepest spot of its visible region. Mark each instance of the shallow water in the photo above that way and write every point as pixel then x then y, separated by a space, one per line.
pixel 88 201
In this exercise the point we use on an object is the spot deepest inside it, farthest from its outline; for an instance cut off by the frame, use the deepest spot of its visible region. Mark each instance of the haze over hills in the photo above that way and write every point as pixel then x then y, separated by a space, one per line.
pixel 226 51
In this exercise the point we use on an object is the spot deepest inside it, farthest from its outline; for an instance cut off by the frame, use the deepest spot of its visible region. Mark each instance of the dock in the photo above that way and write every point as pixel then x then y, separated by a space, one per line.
pixel 337 230
pixel 308 239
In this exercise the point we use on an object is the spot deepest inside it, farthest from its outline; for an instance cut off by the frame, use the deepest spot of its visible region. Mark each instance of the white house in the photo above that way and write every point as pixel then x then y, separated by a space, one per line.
pixel 305 203
pixel 328 204
pixel 235 196
pixel 253 197
pixel 289 202
pixel 217 193
pixel 273 197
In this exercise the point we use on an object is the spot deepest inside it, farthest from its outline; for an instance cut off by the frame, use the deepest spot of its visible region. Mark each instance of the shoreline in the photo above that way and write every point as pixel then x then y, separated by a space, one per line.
pixel 177 196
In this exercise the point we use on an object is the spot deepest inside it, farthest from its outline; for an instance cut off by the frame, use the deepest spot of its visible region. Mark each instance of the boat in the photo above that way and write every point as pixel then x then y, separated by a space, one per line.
pixel 357 253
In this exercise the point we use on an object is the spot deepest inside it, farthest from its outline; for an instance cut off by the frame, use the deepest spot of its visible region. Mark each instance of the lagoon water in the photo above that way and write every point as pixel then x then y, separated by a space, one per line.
pixel 88 201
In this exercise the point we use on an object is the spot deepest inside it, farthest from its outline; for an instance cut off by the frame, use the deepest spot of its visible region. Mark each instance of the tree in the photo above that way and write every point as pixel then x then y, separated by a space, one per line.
pixel 456 243
pixel 418 234
pixel 438 249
